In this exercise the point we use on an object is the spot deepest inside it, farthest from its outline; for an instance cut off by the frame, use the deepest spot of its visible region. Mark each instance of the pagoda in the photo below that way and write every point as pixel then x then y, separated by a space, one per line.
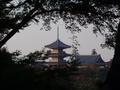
pixel 57 54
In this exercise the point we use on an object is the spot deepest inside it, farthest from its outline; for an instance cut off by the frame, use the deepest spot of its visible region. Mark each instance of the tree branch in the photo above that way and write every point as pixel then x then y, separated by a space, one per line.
pixel 25 20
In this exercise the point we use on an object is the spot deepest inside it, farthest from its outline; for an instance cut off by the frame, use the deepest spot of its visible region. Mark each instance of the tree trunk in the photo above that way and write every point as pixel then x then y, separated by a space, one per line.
pixel 113 77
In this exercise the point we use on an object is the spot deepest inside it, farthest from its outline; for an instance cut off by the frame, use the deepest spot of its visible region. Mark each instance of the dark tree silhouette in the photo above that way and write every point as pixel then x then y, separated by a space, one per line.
pixel 19 15
pixel 5 58
pixel 94 52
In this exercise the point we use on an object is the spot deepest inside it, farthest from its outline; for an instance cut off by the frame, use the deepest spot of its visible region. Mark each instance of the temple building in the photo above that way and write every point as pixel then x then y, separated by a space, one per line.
pixel 57 53
pixel 90 61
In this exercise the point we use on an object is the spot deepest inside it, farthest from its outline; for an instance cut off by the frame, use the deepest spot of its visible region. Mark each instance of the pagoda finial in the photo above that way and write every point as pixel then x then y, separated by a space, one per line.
pixel 57 32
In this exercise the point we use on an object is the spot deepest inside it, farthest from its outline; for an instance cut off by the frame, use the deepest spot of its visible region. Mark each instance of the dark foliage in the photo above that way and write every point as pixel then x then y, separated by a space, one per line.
pixel 5 58
pixel 16 16
pixel 19 76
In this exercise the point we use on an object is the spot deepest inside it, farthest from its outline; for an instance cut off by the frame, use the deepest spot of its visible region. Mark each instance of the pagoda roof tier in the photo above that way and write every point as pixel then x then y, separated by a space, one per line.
pixel 64 54
pixel 58 45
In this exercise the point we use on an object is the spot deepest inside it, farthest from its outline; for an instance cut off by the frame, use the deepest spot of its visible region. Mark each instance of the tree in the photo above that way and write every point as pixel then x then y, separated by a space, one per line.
pixel 75 45
pixel 21 13
pixel 94 52
pixel 31 57
pixel 38 55
pixel 7 18
pixel 103 14
pixel 5 59
pixel 15 55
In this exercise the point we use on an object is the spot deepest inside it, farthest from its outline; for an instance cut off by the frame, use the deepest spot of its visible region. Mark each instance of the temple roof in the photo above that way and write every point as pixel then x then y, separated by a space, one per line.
pixel 90 59
pixel 57 45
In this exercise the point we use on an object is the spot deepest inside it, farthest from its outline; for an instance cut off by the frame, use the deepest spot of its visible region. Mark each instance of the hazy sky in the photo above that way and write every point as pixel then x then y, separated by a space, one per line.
pixel 32 38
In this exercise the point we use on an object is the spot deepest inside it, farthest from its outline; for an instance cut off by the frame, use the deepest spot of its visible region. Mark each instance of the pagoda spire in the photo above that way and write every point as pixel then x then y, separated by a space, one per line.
pixel 57 32
pixel 58 37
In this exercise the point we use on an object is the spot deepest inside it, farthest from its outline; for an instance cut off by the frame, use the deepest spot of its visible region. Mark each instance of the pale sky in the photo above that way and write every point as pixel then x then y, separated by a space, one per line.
pixel 32 38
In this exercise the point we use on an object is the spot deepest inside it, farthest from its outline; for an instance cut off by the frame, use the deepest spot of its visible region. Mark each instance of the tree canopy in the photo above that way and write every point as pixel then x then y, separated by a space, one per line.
pixel 18 14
